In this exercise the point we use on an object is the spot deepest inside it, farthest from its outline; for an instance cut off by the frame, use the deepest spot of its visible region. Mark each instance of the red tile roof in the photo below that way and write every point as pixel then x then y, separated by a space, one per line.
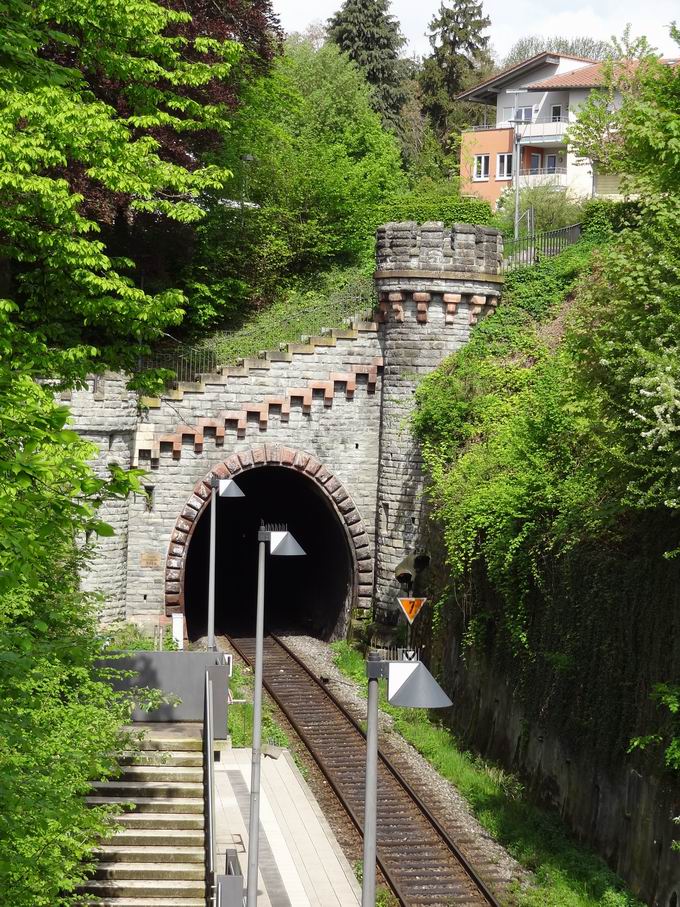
pixel 588 76
pixel 516 68
pixel 585 77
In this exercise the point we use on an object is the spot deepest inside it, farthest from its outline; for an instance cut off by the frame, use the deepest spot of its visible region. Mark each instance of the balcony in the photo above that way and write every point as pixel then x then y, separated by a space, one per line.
pixel 541 129
pixel 542 176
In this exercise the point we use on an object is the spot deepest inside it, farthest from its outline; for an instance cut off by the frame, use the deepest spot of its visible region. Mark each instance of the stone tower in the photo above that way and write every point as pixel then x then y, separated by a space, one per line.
pixel 434 283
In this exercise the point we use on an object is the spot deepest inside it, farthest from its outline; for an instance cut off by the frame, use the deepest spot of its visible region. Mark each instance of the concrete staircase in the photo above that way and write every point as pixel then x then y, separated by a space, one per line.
pixel 157 857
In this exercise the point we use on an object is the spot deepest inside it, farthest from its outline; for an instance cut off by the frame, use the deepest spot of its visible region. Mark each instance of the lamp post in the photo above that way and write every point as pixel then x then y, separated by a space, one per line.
pixel 281 544
pixel 516 163
pixel 223 488
pixel 409 684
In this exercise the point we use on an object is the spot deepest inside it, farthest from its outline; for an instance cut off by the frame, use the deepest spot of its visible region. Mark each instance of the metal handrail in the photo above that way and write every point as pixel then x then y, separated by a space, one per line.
pixel 528 250
pixel 209 790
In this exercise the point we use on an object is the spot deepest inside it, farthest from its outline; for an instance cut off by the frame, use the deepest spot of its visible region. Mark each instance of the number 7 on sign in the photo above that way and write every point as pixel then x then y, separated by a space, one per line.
pixel 411 607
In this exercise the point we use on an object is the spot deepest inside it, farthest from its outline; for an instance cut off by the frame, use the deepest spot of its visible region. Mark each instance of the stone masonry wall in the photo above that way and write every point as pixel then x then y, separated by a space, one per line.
pixel 105 414
pixel 434 285
pixel 334 406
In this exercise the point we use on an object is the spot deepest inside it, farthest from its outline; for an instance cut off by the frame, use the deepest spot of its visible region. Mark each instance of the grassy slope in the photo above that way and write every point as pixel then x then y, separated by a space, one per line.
pixel 326 303
pixel 566 874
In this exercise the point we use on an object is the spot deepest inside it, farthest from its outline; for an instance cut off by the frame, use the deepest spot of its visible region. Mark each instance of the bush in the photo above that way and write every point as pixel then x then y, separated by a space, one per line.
pixel 553 208
pixel 603 217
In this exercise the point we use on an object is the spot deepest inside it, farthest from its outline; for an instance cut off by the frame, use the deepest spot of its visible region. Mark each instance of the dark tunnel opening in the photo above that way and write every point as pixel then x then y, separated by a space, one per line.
pixel 307 594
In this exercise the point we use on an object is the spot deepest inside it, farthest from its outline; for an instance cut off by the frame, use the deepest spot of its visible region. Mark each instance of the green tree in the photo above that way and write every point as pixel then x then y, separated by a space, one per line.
pixel 93 101
pixel 460 56
pixel 319 162
pixel 67 156
pixel 580 46
pixel 371 38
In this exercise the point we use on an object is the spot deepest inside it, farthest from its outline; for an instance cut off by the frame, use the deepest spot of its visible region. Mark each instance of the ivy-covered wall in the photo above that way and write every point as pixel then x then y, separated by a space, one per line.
pixel 550 445
pixel 603 632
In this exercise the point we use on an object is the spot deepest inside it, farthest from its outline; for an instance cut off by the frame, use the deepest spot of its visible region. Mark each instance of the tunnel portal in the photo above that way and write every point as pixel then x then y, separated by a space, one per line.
pixel 311 594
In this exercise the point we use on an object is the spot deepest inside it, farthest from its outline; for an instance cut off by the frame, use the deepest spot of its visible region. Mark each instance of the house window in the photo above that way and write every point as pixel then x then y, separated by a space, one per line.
pixel 551 163
pixel 503 166
pixel 508 114
pixel 480 169
pixel 535 162
pixel 556 113
pixel 524 114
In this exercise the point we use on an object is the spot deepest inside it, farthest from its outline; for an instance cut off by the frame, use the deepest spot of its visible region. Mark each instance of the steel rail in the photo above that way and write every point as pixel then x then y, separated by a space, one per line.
pixel 461 859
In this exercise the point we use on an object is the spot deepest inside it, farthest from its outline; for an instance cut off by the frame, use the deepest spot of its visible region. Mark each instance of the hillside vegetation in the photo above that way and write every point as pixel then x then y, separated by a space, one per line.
pixel 553 447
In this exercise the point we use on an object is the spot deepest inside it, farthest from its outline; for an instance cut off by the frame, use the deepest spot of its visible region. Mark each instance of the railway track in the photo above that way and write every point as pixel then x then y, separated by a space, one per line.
pixel 421 863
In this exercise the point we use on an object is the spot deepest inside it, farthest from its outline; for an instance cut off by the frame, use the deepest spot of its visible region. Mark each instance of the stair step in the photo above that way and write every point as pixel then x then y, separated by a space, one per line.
pixel 171 773
pixel 150 853
pixel 150 871
pixel 162 757
pixel 146 888
pixel 138 837
pixel 154 804
pixel 171 744
pixel 149 902
pixel 147 789
pixel 160 821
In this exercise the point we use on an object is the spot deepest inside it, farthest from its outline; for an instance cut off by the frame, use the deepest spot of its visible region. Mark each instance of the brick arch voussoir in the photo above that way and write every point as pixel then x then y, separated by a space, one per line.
pixel 253 458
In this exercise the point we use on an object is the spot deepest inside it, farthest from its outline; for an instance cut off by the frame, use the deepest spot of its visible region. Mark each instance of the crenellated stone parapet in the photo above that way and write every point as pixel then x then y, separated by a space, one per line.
pixel 435 250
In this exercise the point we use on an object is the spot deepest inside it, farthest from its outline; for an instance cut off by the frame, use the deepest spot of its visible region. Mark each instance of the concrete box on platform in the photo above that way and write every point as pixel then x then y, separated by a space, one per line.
pixel 181 674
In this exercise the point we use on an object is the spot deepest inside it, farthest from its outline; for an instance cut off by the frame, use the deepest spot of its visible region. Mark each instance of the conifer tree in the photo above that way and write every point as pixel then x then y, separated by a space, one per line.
pixel 460 56
pixel 372 38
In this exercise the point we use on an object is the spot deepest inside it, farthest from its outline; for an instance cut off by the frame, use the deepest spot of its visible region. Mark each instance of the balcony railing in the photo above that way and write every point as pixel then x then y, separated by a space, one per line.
pixel 506 124
pixel 528 250
pixel 543 171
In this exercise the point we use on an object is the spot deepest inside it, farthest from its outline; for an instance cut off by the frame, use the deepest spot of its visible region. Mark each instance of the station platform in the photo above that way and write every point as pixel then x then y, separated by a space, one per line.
pixel 301 863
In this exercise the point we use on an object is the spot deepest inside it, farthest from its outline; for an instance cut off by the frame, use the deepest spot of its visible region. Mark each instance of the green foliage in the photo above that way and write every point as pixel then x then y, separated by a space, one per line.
pixel 90 98
pixel 240 717
pixel 371 38
pixel 59 722
pixel 553 207
pixel 322 162
pixel 304 311
pixel 580 46
pixel 552 441
pixel 460 57
pixel 68 156
pixel 603 217
pixel 564 873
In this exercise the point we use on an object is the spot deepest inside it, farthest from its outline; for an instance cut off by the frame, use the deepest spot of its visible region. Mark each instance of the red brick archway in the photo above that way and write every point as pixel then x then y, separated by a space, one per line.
pixel 254 458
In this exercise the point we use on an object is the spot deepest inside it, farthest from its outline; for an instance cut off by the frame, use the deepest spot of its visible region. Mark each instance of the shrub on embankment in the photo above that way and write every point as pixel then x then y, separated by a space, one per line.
pixel 552 441
pixel 553 447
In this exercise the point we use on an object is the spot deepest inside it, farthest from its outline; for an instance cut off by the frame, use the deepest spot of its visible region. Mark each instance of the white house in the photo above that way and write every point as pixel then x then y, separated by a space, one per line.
pixel 543 93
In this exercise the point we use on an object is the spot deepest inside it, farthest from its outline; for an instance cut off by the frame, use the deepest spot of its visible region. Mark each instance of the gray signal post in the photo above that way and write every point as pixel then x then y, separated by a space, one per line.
pixel 223 488
pixel 281 544
pixel 410 684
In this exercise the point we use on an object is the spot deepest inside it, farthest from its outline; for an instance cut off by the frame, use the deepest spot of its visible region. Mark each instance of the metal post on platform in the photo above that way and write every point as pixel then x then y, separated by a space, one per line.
pixel 223 488
pixel 374 667
pixel 281 543
pixel 254 819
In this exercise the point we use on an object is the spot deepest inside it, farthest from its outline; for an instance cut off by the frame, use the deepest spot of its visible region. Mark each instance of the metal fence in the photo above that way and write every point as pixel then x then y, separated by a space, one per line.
pixel 529 250
pixel 187 362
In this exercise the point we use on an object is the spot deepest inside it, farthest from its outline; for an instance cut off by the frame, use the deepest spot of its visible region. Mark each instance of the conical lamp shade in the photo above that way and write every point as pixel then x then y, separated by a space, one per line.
pixel 283 544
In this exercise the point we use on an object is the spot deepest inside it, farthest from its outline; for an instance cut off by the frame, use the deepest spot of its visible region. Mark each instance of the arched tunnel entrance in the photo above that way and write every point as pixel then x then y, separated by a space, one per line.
pixel 311 594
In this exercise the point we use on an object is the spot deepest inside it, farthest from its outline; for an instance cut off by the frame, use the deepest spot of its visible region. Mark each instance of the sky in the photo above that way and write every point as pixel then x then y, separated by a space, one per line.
pixel 510 21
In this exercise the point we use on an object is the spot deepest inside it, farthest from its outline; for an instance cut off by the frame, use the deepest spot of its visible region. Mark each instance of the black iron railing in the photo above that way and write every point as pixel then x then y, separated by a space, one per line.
pixel 529 250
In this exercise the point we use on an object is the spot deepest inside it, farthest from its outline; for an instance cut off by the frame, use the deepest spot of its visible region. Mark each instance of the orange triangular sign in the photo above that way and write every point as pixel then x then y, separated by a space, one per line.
pixel 411 607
